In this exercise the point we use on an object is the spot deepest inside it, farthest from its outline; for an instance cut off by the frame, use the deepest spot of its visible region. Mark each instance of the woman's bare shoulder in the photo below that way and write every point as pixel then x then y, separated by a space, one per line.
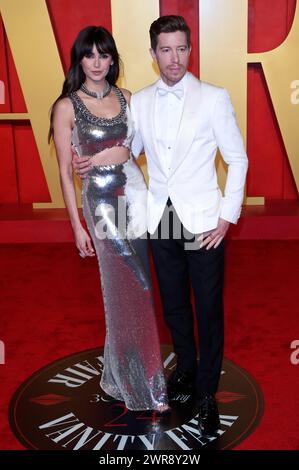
pixel 127 94
pixel 63 110
pixel 63 105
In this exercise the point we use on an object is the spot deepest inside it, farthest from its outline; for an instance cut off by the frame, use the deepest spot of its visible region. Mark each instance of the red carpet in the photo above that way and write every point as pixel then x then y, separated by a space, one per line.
pixel 51 307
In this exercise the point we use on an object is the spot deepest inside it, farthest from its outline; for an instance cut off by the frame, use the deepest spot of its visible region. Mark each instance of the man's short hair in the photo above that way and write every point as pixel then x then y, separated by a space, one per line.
pixel 168 24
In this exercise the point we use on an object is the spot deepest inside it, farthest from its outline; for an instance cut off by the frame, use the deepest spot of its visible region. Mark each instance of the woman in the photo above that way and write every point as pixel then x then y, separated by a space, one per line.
pixel 93 115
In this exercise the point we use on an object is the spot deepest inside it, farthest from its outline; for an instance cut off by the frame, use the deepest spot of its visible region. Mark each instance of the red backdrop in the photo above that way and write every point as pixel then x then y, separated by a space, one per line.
pixel 21 173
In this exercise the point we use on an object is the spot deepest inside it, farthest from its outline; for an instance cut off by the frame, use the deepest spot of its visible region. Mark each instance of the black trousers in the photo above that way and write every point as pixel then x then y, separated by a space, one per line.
pixel 179 269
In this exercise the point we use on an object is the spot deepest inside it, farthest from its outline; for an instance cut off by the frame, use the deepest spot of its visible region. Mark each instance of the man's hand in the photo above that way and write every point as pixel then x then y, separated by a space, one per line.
pixel 214 237
pixel 81 165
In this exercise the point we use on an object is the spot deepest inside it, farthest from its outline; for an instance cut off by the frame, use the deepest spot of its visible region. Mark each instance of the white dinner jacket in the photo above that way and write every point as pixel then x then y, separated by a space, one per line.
pixel 208 122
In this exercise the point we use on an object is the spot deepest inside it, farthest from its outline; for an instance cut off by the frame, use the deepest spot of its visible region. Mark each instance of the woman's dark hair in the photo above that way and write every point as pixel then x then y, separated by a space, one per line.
pixel 168 24
pixel 82 47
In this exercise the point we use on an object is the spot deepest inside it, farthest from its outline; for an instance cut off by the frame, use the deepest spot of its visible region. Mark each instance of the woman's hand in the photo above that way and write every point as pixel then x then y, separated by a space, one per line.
pixel 83 243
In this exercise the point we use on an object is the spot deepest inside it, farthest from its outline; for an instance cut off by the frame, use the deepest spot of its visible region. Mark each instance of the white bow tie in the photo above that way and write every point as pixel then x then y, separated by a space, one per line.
pixel 178 92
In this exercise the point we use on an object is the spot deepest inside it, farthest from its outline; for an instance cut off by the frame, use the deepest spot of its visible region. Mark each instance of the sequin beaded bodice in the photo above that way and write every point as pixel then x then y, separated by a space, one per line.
pixel 92 134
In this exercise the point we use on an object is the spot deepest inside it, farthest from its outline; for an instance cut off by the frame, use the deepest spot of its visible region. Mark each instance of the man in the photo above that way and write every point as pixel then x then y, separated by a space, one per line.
pixel 180 122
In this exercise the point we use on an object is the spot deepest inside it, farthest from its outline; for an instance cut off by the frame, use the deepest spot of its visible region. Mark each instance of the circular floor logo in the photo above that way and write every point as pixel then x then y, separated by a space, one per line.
pixel 62 407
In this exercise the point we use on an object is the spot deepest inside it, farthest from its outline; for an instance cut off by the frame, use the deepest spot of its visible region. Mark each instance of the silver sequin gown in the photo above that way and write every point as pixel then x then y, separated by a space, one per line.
pixel 114 207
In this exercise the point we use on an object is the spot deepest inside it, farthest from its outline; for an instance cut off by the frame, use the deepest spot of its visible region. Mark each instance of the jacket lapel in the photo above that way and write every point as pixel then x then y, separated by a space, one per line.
pixel 187 127
pixel 148 108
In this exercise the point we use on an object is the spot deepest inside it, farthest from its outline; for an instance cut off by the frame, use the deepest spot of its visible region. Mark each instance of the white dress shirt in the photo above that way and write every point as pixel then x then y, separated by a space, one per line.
pixel 169 103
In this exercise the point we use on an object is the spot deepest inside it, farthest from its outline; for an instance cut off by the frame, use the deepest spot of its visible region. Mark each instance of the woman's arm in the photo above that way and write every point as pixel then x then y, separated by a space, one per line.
pixel 63 119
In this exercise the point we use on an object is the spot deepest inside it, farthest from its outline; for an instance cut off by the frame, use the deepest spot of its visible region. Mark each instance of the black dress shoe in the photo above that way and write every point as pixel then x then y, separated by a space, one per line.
pixel 208 416
pixel 180 386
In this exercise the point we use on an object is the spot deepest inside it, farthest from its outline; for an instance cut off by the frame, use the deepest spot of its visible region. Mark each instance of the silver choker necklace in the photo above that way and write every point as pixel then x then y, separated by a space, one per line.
pixel 97 94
